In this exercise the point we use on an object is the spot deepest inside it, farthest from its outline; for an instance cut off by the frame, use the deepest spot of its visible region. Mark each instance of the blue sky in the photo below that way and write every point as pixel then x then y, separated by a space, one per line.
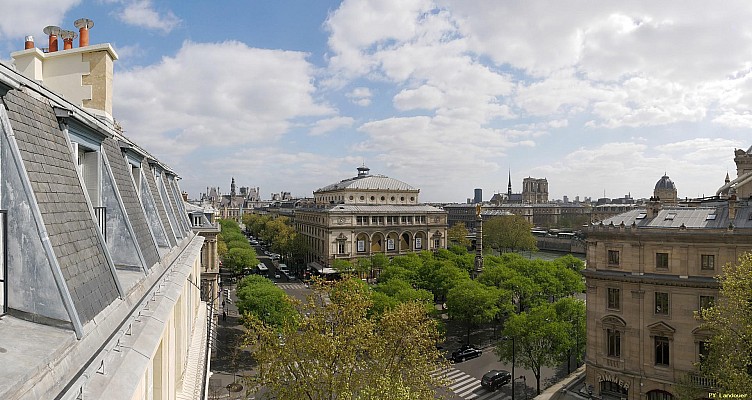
pixel 446 95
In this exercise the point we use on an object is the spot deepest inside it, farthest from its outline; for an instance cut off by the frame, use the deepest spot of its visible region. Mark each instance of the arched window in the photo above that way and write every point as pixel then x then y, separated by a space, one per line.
pixel 659 395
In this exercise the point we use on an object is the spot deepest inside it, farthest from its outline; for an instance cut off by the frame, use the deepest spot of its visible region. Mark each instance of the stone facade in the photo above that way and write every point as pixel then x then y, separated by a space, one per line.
pixel 534 190
pixel 649 270
pixel 369 214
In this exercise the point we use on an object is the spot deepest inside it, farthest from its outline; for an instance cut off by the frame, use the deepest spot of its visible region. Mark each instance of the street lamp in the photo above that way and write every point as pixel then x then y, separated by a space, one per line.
pixel 513 360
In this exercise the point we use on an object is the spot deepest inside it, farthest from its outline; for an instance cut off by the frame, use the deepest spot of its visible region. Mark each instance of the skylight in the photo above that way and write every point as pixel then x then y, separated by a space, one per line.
pixel 710 217
pixel 670 216
pixel 641 215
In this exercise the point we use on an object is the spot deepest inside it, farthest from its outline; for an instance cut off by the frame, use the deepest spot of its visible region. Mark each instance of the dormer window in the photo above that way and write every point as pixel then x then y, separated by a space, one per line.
pixel 87 161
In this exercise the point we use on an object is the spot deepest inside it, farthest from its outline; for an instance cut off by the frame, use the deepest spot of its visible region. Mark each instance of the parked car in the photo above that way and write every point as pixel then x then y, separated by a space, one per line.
pixel 275 256
pixel 466 352
pixel 277 275
pixel 254 243
pixel 495 378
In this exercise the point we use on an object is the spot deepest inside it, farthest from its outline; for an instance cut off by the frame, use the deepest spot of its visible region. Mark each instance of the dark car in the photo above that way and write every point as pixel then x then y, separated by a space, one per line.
pixel 466 352
pixel 495 379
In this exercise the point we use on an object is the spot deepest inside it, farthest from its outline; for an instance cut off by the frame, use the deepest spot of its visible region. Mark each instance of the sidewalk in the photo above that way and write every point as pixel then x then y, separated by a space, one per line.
pixel 572 387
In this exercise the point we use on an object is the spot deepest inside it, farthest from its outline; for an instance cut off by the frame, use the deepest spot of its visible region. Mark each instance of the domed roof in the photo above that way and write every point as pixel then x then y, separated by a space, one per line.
pixel 365 181
pixel 665 183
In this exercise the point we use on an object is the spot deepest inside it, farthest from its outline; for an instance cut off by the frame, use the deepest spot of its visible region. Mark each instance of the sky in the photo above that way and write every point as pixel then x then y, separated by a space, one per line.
pixel 600 98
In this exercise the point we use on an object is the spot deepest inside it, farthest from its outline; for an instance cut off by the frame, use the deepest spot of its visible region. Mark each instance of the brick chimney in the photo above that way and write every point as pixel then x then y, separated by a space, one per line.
pixel 82 75
pixel 653 207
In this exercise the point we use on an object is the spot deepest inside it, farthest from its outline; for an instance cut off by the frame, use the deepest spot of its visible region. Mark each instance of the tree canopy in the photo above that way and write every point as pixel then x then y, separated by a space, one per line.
pixel 539 335
pixel 338 350
pixel 533 282
pixel 237 259
pixel 473 303
pixel 457 235
pixel 729 356
pixel 508 233
pixel 260 297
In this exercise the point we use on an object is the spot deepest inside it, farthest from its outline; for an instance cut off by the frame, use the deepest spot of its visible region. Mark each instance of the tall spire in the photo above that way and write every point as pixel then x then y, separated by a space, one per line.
pixel 509 185
pixel 232 187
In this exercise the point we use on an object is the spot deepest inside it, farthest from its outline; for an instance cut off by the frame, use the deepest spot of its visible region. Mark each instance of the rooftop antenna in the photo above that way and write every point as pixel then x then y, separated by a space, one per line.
pixel 83 25
pixel 52 31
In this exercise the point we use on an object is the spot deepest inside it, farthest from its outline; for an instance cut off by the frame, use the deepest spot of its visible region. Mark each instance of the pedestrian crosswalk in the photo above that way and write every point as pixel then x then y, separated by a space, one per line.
pixel 466 386
pixel 290 286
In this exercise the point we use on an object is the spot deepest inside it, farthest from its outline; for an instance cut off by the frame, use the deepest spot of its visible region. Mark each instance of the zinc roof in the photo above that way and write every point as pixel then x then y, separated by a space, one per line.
pixel 369 182
pixel 689 217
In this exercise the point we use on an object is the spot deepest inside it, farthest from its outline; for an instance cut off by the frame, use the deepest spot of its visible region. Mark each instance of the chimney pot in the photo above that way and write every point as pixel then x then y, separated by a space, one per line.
pixel 52 31
pixel 29 42
pixel 68 37
pixel 83 25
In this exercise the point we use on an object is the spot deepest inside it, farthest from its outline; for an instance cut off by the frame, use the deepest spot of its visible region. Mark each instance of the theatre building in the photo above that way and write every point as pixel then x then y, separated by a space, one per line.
pixel 649 270
pixel 365 215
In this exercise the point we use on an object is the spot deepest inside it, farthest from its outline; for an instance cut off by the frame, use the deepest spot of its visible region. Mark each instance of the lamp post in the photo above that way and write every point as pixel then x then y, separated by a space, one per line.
pixel 513 360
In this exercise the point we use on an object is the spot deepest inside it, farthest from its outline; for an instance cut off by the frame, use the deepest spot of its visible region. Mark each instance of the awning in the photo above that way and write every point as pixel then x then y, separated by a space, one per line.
pixel 321 269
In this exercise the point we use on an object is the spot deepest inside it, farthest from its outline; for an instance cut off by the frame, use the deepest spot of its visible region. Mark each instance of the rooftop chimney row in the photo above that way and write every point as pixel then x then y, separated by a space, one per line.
pixel 83 25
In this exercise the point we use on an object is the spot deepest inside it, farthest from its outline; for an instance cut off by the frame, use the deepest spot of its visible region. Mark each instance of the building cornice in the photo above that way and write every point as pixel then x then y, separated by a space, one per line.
pixel 652 279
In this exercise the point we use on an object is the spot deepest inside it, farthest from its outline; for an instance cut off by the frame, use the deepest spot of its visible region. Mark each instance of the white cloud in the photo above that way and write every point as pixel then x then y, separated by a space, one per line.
pixel 220 94
pixel 22 17
pixel 142 13
pixel 697 167
pixel 360 96
pixel 323 126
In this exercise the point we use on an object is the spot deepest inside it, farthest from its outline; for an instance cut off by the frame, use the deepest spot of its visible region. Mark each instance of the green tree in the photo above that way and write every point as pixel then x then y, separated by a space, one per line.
pixel 508 233
pixel 729 359
pixel 443 278
pixel 338 351
pixel 343 266
pixel 260 297
pixel 298 249
pixel 571 262
pixel 538 339
pixel 571 311
pixel 472 303
pixel 237 259
pixel 239 244
pixel 379 261
pixel 457 235
pixel 221 249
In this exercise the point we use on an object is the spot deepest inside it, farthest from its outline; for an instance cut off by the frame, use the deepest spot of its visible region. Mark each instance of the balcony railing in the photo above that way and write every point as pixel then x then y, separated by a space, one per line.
pixel 101 214
pixel 702 381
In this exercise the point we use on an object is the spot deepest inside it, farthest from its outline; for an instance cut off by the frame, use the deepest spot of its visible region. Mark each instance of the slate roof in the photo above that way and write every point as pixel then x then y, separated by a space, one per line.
pixel 61 200
pixel 665 183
